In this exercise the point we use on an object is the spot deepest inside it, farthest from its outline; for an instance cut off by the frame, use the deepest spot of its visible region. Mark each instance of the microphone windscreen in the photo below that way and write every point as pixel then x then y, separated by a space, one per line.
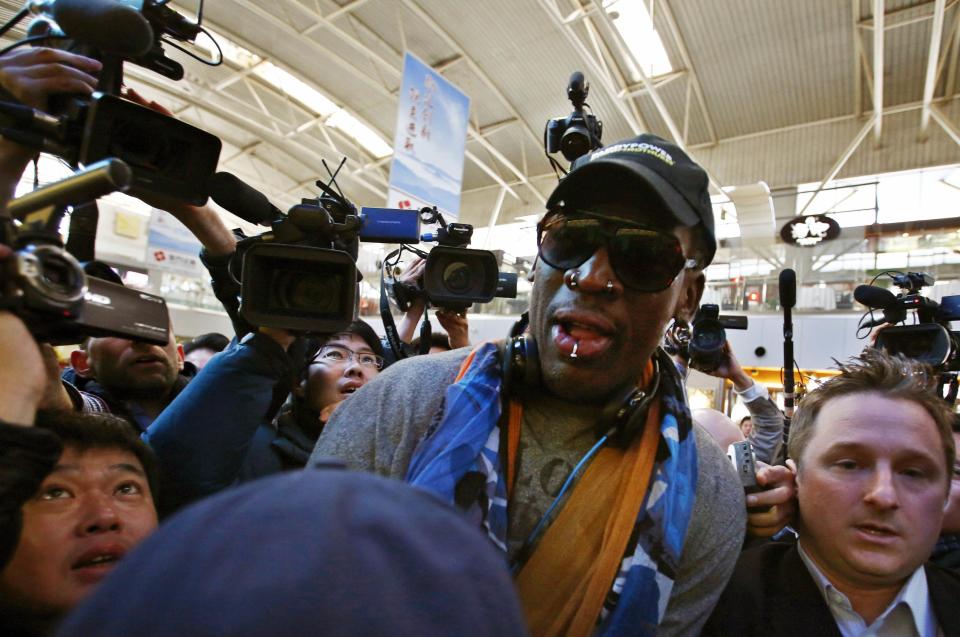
pixel 874 297
pixel 106 25
pixel 788 288
pixel 576 81
pixel 241 199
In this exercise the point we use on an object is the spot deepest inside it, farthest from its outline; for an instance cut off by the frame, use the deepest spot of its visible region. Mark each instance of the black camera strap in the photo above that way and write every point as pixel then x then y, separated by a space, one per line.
pixel 389 326
pixel 83 231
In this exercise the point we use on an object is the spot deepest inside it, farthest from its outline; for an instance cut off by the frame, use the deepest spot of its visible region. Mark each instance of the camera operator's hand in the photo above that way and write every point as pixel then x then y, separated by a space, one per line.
pixel 32 75
pixel 23 378
pixel 780 495
pixel 281 337
pixel 407 326
pixel 730 369
pixel 456 326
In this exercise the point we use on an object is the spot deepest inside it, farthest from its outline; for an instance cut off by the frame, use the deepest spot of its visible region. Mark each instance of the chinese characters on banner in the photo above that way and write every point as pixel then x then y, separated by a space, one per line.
pixel 431 136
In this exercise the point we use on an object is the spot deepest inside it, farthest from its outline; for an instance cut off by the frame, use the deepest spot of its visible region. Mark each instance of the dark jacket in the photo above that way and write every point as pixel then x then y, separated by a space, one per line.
pixel 277 447
pixel 202 438
pixel 772 594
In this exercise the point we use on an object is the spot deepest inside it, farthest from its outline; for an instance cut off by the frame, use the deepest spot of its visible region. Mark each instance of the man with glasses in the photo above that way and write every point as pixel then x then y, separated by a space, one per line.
pixel 218 431
pixel 616 514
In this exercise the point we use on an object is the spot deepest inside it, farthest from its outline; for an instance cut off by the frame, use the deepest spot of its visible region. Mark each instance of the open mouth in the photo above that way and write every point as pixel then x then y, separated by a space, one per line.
pixel 880 532
pixel 100 560
pixel 350 388
pixel 582 337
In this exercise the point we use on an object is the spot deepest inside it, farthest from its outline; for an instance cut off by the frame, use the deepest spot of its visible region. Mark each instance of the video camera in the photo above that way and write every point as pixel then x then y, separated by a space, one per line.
pixel 454 276
pixel 166 156
pixel 60 300
pixel 930 340
pixel 703 344
pixel 578 133
pixel 301 275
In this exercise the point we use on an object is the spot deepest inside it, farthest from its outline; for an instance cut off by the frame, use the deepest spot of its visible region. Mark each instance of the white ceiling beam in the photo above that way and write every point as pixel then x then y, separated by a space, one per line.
pixel 494 217
pixel 948 127
pixel 842 160
pixel 893 21
pixel 933 55
pixel 636 90
pixel 653 93
pixel 681 45
pixel 857 57
pixel 593 65
pixel 954 56
pixel 878 16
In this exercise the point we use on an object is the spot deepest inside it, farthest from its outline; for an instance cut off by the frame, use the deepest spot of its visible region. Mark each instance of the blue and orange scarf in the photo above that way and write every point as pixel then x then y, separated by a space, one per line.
pixel 467 440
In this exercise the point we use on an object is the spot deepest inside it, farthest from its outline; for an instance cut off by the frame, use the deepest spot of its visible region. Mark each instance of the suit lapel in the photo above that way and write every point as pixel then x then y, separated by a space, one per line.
pixel 797 607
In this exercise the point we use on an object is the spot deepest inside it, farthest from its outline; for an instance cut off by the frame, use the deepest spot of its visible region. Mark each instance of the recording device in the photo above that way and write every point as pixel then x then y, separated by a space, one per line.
pixel 930 340
pixel 301 274
pixel 708 334
pixel 788 299
pixel 167 157
pixel 50 290
pixel 454 276
pixel 579 132
pixel 745 463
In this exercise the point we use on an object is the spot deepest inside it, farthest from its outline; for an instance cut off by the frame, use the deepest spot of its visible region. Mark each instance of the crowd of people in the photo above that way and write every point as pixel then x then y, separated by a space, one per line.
pixel 554 482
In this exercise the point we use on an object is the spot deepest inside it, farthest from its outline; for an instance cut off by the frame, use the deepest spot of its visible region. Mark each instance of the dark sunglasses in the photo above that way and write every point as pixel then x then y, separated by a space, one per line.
pixel 644 259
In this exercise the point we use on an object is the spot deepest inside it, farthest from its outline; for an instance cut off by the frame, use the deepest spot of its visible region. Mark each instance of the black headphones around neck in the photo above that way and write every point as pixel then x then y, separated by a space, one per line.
pixel 623 417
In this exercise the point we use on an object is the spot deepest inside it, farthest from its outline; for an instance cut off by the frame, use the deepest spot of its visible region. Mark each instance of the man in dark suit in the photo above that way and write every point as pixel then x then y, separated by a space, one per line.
pixel 873 453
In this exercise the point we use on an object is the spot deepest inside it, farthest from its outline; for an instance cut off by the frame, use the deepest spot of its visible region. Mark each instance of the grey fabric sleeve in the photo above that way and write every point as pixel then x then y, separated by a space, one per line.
pixel 767 433
pixel 377 428
pixel 713 542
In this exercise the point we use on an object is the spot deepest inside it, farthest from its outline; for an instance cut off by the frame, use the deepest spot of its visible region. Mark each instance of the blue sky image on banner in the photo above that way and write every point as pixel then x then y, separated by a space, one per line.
pixel 431 136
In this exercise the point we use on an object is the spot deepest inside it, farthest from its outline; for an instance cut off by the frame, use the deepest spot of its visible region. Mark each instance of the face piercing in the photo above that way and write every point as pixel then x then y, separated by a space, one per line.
pixel 573 279
pixel 609 286
pixel 573 354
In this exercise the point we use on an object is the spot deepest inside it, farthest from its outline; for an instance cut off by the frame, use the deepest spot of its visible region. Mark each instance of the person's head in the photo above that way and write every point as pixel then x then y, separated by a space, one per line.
pixel 951 517
pixel 621 252
pixel 131 369
pixel 344 363
pixel 96 504
pixel 439 342
pixel 718 425
pixel 746 426
pixel 201 349
pixel 873 449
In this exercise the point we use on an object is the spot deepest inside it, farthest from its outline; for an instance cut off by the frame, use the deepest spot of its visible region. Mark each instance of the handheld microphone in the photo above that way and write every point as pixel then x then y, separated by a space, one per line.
pixel 788 298
pixel 243 200
pixel 108 26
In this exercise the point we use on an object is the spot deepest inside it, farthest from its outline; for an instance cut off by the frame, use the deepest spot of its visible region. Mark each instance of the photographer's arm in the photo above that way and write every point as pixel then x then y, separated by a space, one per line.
pixel 203 436
pixel 407 325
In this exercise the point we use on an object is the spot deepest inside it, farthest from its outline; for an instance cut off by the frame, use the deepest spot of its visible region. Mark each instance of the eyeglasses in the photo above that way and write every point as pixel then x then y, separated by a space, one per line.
pixel 644 259
pixel 337 355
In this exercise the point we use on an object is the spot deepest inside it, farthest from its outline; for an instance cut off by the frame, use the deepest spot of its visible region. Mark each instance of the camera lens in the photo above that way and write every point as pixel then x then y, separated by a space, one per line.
pixel 306 291
pixel 456 277
pixel 575 141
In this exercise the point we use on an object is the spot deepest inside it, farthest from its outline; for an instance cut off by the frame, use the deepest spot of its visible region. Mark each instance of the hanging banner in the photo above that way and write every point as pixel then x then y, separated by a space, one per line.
pixel 430 140
pixel 172 247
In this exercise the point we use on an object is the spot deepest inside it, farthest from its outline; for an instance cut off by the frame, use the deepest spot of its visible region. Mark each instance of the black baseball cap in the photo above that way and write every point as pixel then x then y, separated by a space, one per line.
pixel 649 164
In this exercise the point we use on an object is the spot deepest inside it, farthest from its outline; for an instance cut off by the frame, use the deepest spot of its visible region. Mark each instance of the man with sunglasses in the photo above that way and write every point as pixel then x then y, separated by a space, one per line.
pixel 615 513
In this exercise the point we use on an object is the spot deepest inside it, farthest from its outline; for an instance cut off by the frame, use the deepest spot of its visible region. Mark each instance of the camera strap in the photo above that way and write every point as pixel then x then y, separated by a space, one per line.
pixel 389 326
pixel 83 231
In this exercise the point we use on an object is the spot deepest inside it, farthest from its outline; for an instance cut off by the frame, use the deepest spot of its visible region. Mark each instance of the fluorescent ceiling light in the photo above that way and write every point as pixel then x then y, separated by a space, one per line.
pixel 633 21
pixel 288 84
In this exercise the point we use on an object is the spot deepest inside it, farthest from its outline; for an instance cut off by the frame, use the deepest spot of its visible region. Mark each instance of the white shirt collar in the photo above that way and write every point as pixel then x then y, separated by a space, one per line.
pixel 915 594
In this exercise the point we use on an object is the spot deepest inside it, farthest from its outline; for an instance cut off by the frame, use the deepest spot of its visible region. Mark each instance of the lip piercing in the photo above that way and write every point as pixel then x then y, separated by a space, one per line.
pixel 573 354
pixel 573 279
pixel 609 286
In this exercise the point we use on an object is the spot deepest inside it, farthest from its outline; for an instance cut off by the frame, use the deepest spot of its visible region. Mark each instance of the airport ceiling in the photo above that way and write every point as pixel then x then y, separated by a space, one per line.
pixel 742 69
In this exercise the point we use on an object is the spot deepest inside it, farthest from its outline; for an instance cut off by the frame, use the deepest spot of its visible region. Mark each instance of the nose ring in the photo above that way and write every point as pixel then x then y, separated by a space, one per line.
pixel 572 279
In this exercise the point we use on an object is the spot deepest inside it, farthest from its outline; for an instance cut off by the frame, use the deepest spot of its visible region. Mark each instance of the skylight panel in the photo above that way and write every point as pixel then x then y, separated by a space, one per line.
pixel 632 19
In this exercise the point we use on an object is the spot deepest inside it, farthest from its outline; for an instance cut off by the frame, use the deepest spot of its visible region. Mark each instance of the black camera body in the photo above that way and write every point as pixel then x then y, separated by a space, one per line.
pixel 47 287
pixel 930 340
pixel 708 334
pixel 168 157
pixel 454 277
pixel 579 132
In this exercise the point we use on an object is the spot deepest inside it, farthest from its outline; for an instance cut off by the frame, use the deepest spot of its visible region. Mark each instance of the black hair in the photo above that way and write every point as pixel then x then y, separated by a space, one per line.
pixel 211 340
pixel 437 339
pixel 85 431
